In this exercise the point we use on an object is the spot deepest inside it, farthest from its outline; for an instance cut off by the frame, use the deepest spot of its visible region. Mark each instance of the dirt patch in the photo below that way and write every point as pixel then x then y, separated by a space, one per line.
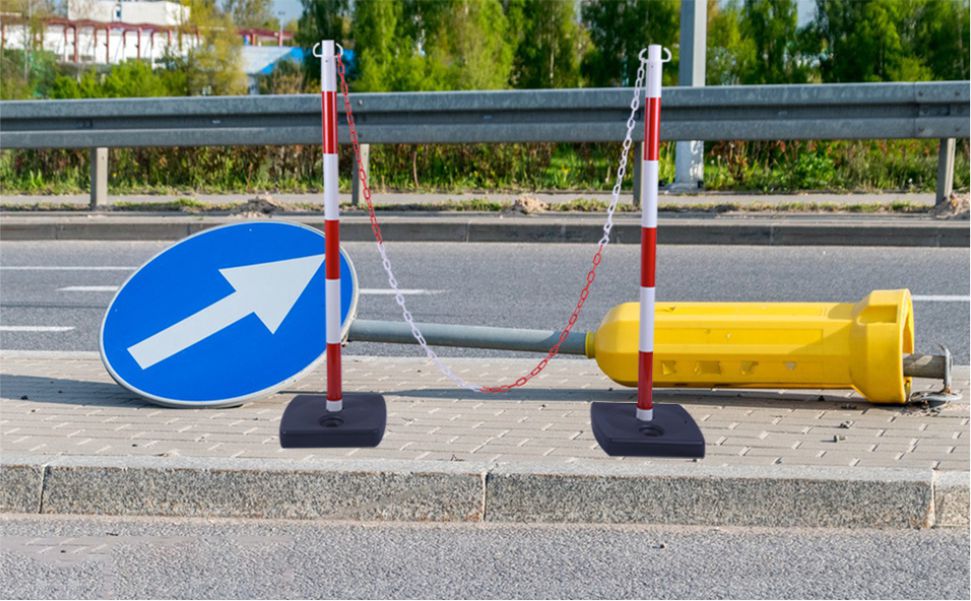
pixel 526 205
pixel 956 207
pixel 261 206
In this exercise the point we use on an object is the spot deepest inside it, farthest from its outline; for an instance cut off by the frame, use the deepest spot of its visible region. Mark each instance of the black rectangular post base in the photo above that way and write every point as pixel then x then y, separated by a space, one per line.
pixel 672 432
pixel 306 423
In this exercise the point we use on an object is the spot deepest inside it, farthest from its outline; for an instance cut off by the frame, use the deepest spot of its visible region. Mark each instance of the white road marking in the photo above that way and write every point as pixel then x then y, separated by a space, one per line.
pixel 369 291
pixel 65 268
pixel 36 328
pixel 88 289
pixel 25 354
pixel 924 298
pixel 390 292
pixel 942 298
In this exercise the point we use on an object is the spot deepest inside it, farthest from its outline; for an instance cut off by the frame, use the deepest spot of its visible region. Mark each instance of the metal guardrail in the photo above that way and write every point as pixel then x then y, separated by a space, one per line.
pixel 819 112
pixel 787 112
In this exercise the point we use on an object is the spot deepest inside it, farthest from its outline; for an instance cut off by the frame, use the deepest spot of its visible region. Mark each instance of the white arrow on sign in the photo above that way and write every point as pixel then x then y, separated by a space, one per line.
pixel 267 289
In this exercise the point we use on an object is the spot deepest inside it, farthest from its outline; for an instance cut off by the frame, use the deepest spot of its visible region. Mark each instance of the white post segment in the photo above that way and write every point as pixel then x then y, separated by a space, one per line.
pixel 331 202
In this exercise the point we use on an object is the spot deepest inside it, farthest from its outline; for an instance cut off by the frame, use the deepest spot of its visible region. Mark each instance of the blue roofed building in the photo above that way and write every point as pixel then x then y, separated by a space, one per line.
pixel 262 60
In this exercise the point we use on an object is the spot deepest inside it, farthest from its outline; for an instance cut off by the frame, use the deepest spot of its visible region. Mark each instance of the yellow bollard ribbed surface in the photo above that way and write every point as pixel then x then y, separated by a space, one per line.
pixel 768 345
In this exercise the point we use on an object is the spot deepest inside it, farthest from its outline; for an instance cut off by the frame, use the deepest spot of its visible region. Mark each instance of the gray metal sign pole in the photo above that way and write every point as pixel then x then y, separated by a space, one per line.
pixel 689 162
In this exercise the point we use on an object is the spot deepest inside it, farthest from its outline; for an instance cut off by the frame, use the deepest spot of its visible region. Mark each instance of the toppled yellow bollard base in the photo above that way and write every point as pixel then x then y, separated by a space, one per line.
pixel 768 345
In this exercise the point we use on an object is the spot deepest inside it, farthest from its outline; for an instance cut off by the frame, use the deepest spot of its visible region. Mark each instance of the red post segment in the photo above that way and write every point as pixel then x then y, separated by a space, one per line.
pixel 328 104
pixel 645 373
pixel 648 258
pixel 332 237
pixel 652 132
pixel 335 393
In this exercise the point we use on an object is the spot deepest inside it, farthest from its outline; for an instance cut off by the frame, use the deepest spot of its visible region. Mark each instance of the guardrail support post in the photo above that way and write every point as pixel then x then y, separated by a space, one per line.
pixel 99 178
pixel 638 157
pixel 945 170
pixel 355 177
pixel 689 156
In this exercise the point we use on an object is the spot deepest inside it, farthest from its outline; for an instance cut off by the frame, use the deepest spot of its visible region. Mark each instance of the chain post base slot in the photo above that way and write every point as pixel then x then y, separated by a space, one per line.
pixel 307 424
pixel 671 433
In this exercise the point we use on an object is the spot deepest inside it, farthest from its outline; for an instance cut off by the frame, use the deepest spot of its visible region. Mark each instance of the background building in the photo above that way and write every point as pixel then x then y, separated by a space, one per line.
pixel 112 31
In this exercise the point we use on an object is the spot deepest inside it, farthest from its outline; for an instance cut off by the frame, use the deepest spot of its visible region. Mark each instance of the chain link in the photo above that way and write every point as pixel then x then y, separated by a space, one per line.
pixel 591 274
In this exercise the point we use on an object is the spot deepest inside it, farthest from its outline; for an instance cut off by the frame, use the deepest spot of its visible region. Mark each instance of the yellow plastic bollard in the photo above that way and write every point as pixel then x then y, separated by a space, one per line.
pixel 768 345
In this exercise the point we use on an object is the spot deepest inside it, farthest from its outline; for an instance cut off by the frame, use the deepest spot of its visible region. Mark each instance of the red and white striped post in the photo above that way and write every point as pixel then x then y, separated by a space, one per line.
pixel 307 422
pixel 649 184
pixel 332 224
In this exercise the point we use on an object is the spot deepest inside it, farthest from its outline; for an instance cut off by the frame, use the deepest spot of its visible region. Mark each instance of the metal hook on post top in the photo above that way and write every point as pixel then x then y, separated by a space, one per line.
pixel 643 59
pixel 315 52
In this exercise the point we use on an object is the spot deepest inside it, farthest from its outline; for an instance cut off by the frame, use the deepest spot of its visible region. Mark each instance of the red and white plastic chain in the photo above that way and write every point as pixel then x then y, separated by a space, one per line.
pixel 591 274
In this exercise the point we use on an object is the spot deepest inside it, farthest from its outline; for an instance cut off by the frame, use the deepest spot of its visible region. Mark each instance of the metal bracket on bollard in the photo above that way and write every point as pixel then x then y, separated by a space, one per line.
pixel 943 396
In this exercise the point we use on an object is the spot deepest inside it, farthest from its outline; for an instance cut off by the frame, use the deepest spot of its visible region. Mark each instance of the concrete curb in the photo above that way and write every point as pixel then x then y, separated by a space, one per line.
pixel 762 231
pixel 951 499
pixel 770 496
pixel 776 496
pixel 21 485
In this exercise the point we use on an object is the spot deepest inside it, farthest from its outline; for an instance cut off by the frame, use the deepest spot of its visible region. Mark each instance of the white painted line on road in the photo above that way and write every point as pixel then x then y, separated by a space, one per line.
pixel 24 354
pixel 390 292
pixel 88 289
pixel 65 268
pixel 36 328
pixel 369 291
pixel 941 298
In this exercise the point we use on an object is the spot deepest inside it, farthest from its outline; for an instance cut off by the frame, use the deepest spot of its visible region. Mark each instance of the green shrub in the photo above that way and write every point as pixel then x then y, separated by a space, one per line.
pixel 895 165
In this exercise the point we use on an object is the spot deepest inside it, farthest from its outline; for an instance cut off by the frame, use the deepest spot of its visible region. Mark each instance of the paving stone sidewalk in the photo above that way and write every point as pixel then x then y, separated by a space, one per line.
pixel 67 404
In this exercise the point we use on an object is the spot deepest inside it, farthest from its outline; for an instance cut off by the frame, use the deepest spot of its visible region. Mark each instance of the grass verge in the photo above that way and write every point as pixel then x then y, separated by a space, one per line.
pixel 579 205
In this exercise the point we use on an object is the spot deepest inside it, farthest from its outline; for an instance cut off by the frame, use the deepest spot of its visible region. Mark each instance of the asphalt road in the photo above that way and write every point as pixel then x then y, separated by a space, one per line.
pixel 67 285
pixel 99 557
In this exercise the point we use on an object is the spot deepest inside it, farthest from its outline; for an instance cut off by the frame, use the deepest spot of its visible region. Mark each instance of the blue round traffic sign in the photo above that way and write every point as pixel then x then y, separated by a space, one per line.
pixel 226 315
